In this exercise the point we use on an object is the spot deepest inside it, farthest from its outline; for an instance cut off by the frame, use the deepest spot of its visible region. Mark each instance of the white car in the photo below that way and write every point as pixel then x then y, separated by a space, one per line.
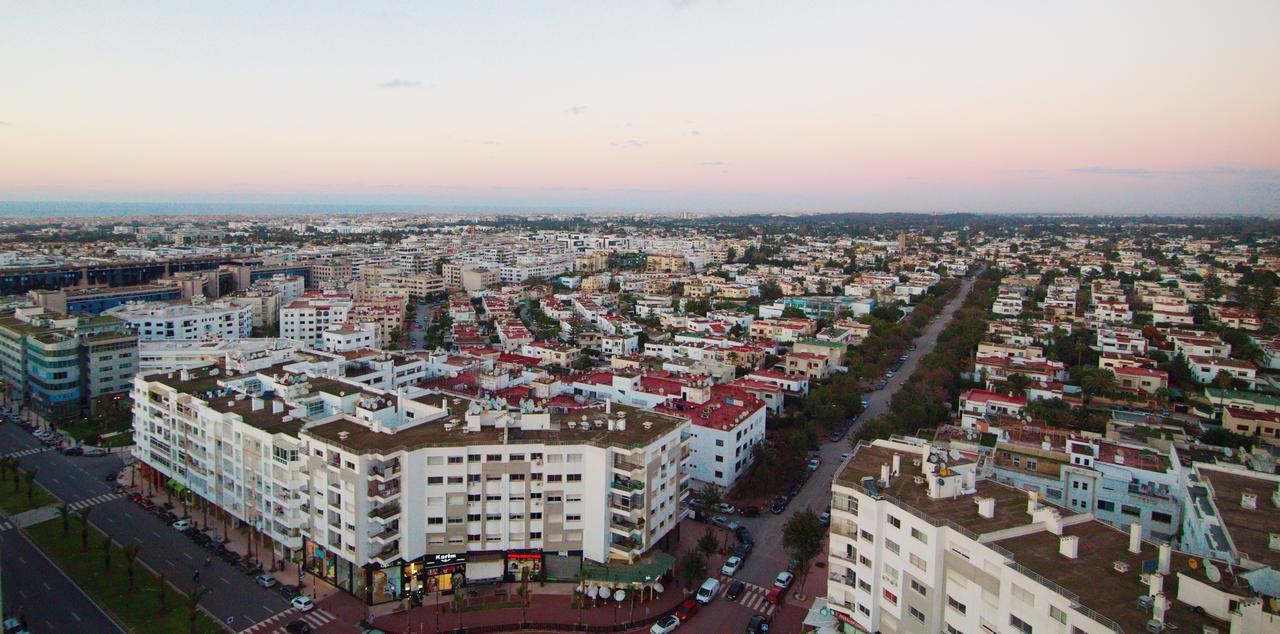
pixel 844 456
pixel 726 508
pixel 302 603
pixel 708 591
pixel 731 566
pixel 783 580
pixel 181 525
pixel 665 625
pixel 265 580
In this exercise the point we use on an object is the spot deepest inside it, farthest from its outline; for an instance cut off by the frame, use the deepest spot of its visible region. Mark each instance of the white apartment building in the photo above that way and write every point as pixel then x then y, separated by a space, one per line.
pixel 307 319
pixel 388 492
pixel 197 320
pixel 921 541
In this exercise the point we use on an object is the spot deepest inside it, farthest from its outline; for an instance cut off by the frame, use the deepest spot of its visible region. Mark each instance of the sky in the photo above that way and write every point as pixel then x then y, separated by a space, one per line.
pixel 1165 106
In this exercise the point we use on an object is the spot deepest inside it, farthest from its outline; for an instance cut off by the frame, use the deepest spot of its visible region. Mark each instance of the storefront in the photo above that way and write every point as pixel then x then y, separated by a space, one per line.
pixel 520 560
pixel 374 585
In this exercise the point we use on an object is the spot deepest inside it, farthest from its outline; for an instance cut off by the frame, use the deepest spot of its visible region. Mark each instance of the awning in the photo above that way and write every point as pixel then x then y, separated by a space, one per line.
pixel 821 619
pixel 175 485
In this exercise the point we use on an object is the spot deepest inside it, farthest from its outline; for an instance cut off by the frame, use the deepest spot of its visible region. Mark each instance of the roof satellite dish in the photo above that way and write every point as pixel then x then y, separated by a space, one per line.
pixel 1211 571
pixel 955 454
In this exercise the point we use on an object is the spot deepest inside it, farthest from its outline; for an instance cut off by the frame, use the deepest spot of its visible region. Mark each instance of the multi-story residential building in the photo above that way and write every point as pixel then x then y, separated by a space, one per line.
pixel 1141 380
pixel 60 365
pixel 420 287
pixel 1232 515
pixel 383 493
pixel 198 319
pixel 922 541
pixel 1206 369
pixel 98 299
pixel 308 317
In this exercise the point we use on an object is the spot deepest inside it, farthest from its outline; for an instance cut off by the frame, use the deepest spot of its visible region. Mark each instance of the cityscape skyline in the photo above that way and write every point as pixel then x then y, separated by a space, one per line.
pixel 700 106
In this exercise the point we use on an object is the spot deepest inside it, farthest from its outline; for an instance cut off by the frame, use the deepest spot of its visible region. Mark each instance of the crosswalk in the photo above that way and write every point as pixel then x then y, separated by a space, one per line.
pixel 5 524
pixel 93 501
pixel 276 624
pixel 30 451
pixel 752 596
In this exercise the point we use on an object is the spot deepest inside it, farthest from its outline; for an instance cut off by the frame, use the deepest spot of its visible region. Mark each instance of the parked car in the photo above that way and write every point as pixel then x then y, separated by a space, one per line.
pixel 302 603
pixel 687 609
pixel 759 624
pixel 726 508
pixel 230 556
pixel 779 506
pixel 844 456
pixel 731 566
pixel 265 580
pixel 73 451
pixel 298 627
pixel 825 518
pixel 889 374
pixel 95 452
pixel 181 525
pixel 783 580
pixel 775 596
pixel 743 534
pixel 751 511
pixel 735 590
pixel 815 462
pixel 665 625
pixel 743 549
pixel 288 592
pixel 13 625
pixel 708 590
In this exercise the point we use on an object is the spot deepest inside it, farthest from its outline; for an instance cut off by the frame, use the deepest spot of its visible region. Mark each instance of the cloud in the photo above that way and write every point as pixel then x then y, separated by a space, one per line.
pixel 1204 172
pixel 5 124
pixel 630 143
pixel 713 164
pixel 694 133
pixel 576 110
pixel 400 83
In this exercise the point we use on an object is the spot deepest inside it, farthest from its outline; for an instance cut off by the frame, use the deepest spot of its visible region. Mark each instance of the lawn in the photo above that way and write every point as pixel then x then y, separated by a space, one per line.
pixel 14 503
pixel 139 609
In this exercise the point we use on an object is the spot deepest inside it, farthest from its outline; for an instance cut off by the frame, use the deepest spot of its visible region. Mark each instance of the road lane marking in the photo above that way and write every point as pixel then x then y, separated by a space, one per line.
pixel 75 616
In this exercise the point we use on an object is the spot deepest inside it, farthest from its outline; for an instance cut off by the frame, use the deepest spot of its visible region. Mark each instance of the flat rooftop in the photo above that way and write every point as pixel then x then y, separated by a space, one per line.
pixel 361 439
pixel 1249 529
pixel 1010 508
pixel 1093 577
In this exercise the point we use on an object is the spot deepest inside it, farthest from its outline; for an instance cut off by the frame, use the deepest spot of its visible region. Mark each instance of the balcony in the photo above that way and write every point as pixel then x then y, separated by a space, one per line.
pixel 626 466
pixel 385 470
pixel 847 580
pixel 625 524
pixel 385 512
pixel 387 553
pixel 627 546
pixel 383 493
pixel 387 535
pixel 626 485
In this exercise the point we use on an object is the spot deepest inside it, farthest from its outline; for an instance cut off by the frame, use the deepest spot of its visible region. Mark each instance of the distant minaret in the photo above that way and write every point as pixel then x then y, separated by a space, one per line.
pixel 902 242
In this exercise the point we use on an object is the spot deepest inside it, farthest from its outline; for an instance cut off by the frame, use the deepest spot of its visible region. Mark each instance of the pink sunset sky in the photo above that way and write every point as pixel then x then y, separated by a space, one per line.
pixel 1143 106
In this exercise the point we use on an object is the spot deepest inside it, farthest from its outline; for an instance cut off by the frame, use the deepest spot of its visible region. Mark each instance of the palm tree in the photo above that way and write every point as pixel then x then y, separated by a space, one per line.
pixel 457 598
pixel 193 604
pixel 64 511
pixel 31 486
pixel 131 553
pixel 106 553
pixel 84 529
pixel 581 581
pixel 524 593
pixel 163 593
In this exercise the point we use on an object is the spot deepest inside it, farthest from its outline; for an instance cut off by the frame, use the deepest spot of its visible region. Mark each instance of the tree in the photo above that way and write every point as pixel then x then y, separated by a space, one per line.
pixel 709 495
pixel 106 553
pixel 458 598
pixel 802 536
pixel 708 543
pixel 1017 384
pixel 131 552
pixel 691 566
pixel 84 528
pixel 1223 380
pixel 31 486
pixel 64 512
pixel 162 594
pixel 193 604
pixel 524 593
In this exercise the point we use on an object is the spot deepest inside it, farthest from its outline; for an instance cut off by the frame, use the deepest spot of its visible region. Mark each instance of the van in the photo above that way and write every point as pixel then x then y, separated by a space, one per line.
pixel 708 591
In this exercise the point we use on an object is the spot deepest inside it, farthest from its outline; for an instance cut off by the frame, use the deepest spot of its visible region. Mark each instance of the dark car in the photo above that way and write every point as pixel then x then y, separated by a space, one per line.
pixel 835 436
pixel 735 590
pixel 743 549
pixel 230 556
pixel 778 507
pixel 743 534
pixel 298 627
pixel 288 592
pixel 73 451
pixel 793 492
pixel 751 511
pixel 758 624
pixel 200 538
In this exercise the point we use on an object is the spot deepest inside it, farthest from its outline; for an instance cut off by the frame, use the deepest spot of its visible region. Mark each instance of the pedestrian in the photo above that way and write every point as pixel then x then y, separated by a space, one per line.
pixel 195 576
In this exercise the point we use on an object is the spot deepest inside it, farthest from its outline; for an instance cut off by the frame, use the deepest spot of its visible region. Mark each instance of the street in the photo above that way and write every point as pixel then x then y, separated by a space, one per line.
pixel 235 599
pixel 769 557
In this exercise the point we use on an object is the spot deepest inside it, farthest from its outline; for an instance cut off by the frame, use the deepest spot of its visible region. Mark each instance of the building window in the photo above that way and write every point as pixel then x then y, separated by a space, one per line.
pixel 891 546
pixel 919 616
pixel 920 536
pixel 919 588
pixel 895 522
pixel 955 605
pixel 1019 624
pixel 918 561
pixel 1057 615
pixel 1104 505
